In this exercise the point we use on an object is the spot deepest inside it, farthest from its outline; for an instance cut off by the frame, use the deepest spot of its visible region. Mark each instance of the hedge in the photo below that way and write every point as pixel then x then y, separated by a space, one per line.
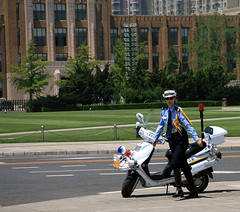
pixel 147 105
pixel 47 106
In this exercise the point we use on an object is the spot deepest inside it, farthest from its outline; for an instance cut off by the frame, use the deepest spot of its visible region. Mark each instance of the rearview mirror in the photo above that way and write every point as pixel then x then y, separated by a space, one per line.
pixel 209 130
pixel 140 117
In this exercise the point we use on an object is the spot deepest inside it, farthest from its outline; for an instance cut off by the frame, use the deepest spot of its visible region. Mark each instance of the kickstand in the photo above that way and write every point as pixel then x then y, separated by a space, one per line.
pixel 167 189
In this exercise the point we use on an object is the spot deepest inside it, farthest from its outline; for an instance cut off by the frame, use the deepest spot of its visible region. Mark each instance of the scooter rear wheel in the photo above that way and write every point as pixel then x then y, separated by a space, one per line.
pixel 202 186
pixel 129 184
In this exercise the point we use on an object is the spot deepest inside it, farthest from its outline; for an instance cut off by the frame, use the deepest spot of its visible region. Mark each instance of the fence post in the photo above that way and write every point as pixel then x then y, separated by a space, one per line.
pixel 115 131
pixel 42 132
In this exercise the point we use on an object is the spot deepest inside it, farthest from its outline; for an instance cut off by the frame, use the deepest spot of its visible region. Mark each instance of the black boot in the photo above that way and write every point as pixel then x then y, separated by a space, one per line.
pixel 193 192
pixel 177 177
pixel 179 193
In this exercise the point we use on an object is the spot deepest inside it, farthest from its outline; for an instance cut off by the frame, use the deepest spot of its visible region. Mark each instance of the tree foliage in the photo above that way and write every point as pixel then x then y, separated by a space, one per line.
pixel 78 85
pixel 30 76
pixel 85 83
pixel 212 50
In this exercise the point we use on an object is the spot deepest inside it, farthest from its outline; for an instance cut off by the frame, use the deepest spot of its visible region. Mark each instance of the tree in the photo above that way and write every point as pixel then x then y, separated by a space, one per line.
pixel 30 76
pixel 171 64
pixel 119 70
pixel 211 54
pixel 127 81
pixel 104 87
pixel 78 86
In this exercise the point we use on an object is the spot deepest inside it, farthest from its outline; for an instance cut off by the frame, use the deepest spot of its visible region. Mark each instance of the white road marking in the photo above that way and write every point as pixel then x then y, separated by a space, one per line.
pixel 71 166
pixel 73 170
pixel 226 172
pixel 163 163
pixel 66 175
pixel 75 158
pixel 140 189
pixel 103 174
pixel 27 167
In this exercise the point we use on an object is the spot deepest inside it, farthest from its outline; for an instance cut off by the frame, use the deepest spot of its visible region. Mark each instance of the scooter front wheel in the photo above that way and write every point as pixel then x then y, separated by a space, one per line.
pixel 202 183
pixel 129 184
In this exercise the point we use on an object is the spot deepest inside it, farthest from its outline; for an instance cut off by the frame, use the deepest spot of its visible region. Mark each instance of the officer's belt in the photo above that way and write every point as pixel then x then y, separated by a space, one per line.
pixel 174 130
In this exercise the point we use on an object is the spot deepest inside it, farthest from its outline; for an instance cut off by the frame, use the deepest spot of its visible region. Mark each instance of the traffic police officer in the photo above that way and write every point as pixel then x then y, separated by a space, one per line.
pixel 177 123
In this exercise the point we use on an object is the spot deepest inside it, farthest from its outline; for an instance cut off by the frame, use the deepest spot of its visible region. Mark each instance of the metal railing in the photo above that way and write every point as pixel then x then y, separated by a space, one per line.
pixel 13 105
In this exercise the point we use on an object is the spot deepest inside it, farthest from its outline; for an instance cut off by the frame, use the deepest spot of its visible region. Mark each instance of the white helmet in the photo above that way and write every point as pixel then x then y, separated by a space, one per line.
pixel 169 93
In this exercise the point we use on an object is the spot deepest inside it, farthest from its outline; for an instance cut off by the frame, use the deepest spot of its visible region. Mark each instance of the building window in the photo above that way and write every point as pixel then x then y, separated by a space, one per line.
pixel 155 36
pixel 203 33
pixel 174 36
pixel 114 36
pixel 176 57
pixel 61 57
pixel 144 34
pixel 184 35
pixel 18 36
pixel 17 11
pixel 42 56
pixel 39 35
pixel 60 12
pixel 1 89
pixel 101 36
pixel 122 35
pixel 60 36
pixel 100 12
pixel 145 63
pixel 101 56
pixel 19 59
pixel 80 12
pixel 185 60
pixel 155 60
pixel 0 62
pixel 38 11
pixel 81 36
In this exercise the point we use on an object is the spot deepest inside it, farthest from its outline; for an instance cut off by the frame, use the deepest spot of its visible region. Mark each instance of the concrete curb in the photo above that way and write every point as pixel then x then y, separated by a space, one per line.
pixel 86 152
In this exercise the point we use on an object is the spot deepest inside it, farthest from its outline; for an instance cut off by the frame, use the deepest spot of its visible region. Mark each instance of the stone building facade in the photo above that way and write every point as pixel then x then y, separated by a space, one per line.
pixel 58 27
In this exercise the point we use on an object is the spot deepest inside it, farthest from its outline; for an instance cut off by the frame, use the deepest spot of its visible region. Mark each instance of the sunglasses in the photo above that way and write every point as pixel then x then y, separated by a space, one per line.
pixel 171 98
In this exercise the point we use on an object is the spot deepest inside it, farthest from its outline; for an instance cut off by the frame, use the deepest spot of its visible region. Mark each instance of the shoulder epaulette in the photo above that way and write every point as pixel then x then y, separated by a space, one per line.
pixel 165 107
pixel 185 116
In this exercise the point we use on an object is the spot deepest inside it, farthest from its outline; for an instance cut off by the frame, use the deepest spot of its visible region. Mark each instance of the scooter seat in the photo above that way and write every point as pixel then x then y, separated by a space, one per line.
pixel 192 150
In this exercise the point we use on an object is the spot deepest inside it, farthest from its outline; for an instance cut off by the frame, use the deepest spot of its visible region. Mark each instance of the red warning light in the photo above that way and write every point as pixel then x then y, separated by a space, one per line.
pixel 201 107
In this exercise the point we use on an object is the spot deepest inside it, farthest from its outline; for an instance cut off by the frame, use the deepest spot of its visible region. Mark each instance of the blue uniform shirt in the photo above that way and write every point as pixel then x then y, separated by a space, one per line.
pixel 181 118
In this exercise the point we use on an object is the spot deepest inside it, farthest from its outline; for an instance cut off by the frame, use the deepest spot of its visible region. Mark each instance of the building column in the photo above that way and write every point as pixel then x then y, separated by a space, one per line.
pixel 165 40
pixel 91 17
pixel 28 21
pixel 71 28
pixel 180 43
pixel 51 49
pixel 150 60
pixel 57 76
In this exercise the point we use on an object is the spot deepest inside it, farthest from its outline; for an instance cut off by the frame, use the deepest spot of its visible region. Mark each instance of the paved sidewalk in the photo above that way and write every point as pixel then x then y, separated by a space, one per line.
pixel 99 147
pixel 218 197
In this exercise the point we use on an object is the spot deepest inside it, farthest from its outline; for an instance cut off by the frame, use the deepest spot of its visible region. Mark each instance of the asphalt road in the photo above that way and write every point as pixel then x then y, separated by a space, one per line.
pixel 36 179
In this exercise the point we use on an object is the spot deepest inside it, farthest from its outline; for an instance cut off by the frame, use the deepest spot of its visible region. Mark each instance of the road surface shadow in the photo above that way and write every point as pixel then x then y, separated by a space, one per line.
pixel 201 195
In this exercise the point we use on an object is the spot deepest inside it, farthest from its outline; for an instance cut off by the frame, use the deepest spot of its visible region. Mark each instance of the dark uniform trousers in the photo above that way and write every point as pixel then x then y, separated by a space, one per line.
pixel 178 144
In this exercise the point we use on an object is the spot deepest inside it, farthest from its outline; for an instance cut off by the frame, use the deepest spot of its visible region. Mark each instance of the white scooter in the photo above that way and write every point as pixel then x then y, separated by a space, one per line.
pixel 136 161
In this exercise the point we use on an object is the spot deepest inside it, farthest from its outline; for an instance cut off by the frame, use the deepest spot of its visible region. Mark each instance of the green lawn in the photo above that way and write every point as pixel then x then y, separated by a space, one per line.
pixel 17 122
